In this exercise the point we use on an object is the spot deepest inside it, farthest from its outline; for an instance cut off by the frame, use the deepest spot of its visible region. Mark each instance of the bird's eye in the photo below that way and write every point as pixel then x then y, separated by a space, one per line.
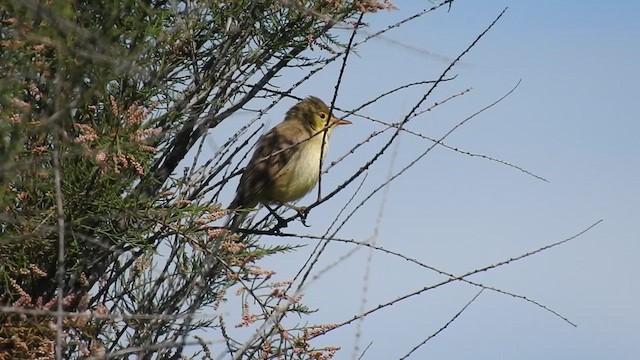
pixel 323 115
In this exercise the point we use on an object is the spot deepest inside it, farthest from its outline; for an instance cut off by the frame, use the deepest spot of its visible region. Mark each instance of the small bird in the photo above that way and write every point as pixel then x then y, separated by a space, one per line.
pixel 286 163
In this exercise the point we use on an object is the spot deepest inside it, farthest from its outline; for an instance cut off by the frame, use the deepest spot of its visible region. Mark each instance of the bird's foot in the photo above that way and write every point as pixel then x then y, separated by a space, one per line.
pixel 302 211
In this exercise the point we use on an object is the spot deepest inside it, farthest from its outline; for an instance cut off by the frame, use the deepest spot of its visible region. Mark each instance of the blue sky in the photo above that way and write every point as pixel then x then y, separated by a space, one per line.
pixel 573 120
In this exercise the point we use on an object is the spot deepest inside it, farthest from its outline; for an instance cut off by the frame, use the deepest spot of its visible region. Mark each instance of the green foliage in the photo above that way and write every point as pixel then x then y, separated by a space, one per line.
pixel 119 92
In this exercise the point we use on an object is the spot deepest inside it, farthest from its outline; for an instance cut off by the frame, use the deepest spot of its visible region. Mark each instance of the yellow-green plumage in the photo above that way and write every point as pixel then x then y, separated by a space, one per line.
pixel 285 165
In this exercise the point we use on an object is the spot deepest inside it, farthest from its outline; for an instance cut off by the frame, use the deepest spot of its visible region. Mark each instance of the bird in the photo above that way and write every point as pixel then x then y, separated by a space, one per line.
pixel 286 163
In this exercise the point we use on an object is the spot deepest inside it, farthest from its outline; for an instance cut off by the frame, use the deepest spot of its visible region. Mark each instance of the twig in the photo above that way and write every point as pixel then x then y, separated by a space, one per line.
pixel 443 327
pixel 333 101
pixel 60 218
pixel 369 260
pixel 470 273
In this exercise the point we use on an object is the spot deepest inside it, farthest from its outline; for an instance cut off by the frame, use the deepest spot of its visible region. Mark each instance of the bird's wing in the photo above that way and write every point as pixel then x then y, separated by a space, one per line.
pixel 274 150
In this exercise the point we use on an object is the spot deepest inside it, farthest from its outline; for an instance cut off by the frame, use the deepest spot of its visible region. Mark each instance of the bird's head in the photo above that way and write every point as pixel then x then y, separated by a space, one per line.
pixel 314 113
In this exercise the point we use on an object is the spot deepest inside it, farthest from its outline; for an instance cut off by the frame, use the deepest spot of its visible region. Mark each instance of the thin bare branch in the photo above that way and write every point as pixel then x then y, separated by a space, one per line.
pixel 415 348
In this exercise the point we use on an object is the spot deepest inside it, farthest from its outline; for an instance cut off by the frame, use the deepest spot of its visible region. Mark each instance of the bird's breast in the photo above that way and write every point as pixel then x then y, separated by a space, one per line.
pixel 300 175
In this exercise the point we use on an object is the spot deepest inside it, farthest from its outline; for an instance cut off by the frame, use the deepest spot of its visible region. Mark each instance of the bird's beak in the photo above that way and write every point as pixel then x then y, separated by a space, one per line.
pixel 338 121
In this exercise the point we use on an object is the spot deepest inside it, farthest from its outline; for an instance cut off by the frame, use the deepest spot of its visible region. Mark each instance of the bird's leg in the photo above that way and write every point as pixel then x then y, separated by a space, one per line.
pixel 301 210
